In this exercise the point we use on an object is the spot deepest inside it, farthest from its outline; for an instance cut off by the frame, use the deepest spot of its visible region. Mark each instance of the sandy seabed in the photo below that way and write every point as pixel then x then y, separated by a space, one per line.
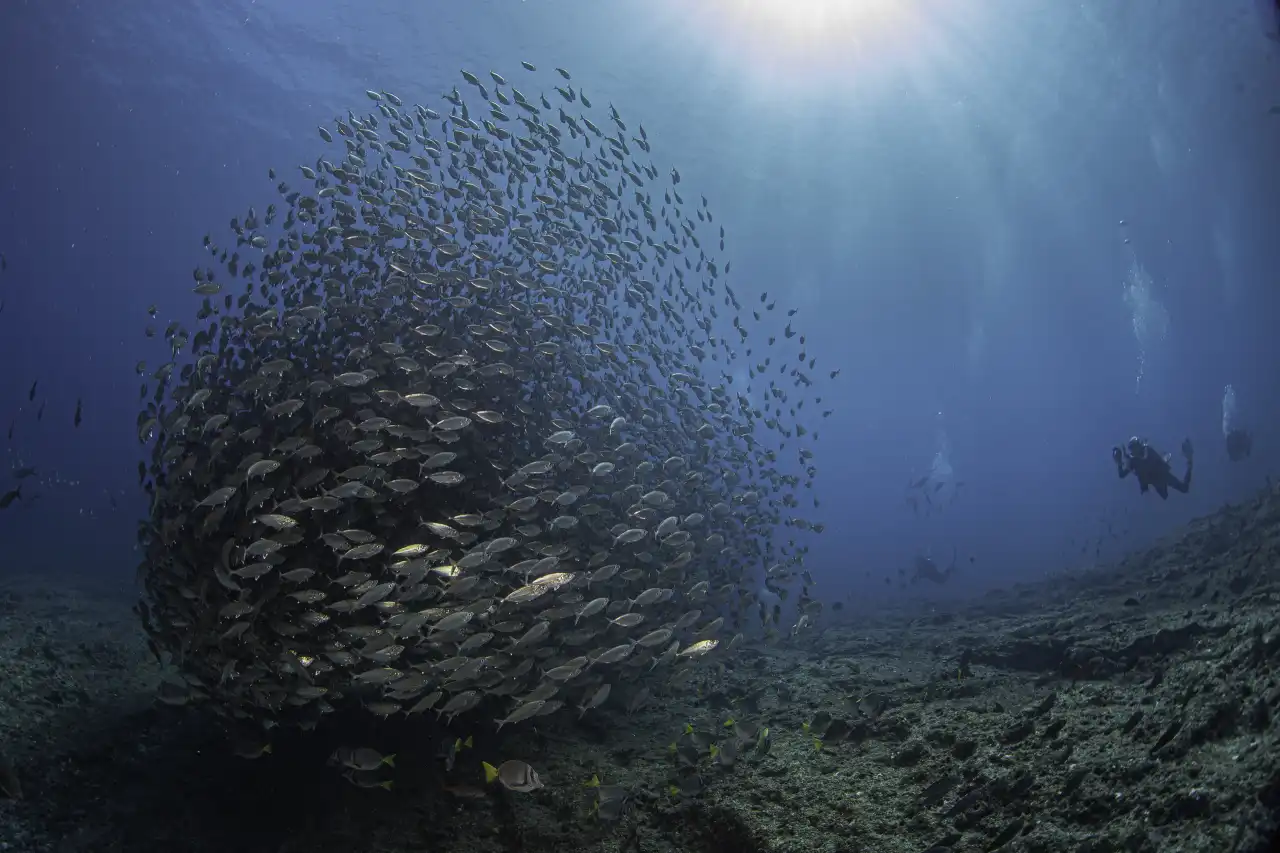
pixel 1131 708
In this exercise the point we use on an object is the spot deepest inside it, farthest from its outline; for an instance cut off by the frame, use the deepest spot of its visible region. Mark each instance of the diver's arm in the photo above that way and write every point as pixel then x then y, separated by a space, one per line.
pixel 1122 468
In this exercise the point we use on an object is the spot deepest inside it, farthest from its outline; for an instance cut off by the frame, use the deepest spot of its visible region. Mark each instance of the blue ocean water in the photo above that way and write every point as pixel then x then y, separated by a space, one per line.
pixel 938 187
pixel 1020 231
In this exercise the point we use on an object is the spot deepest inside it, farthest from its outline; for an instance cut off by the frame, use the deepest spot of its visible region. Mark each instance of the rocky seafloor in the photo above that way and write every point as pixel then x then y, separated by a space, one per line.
pixel 1131 708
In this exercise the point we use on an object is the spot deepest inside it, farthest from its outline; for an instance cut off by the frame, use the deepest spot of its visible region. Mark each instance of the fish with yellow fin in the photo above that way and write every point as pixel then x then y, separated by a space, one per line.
pixel 514 775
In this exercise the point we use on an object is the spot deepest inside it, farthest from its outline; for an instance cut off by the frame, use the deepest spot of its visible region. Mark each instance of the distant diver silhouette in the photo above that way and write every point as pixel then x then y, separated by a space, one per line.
pixel 927 570
pixel 1239 444
pixel 1151 467
pixel 1269 16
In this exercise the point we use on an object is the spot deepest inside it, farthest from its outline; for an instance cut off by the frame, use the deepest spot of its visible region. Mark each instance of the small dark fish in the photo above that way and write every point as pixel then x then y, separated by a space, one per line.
pixel 9 497
pixel 465 792
pixel 11 426
pixel 40 412
pixel 24 472
pixel 78 417
pixel 31 395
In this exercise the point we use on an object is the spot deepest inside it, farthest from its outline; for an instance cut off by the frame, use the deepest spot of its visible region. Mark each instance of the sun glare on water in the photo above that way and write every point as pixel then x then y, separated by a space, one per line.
pixel 812 25
pixel 790 40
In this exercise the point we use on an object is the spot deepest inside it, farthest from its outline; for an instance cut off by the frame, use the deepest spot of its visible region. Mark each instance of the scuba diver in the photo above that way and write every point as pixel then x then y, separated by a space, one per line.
pixel 1239 444
pixel 1150 467
pixel 927 569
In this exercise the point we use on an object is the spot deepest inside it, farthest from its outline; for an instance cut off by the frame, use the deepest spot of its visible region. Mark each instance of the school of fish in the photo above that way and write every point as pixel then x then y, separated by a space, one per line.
pixel 472 422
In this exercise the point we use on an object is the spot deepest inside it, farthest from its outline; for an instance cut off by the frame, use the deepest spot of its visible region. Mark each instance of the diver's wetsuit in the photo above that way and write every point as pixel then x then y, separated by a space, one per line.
pixel 1152 470
pixel 1239 444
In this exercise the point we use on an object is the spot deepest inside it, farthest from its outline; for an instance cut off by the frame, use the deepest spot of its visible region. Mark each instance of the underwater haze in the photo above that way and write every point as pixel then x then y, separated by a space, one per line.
pixel 1036 228
pixel 1033 229
pixel 748 425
